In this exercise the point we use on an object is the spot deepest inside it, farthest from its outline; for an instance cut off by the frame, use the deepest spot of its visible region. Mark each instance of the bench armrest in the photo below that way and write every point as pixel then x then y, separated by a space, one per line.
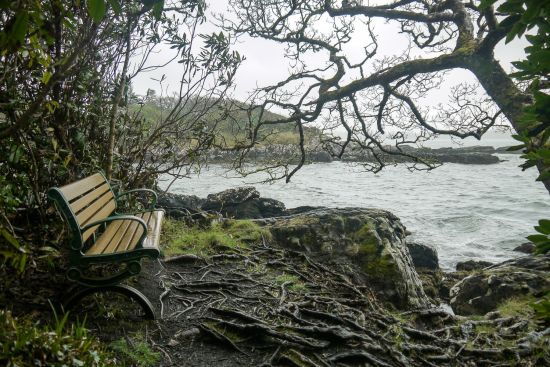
pixel 148 191
pixel 115 218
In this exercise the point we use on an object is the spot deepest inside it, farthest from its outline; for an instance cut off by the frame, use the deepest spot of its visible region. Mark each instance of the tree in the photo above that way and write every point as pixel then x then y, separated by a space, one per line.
pixel 66 107
pixel 375 99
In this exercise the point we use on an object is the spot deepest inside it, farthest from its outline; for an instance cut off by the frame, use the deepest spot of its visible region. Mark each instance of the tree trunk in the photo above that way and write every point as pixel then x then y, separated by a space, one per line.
pixel 116 101
pixel 508 97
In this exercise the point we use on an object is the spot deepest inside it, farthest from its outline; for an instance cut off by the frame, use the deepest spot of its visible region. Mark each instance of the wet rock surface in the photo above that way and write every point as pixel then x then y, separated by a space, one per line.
pixel 486 289
pixel 423 256
pixel 239 203
pixel 373 239
pixel 470 265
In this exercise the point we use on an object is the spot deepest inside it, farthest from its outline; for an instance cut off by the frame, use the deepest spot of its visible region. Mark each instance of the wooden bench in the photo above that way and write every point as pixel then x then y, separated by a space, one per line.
pixel 99 234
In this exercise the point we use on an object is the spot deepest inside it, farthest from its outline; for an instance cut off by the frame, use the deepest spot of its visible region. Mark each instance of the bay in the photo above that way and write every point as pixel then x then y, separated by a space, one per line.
pixel 478 212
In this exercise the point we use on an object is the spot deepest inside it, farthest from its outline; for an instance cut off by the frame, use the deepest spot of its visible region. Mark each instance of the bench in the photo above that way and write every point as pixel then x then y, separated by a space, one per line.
pixel 99 235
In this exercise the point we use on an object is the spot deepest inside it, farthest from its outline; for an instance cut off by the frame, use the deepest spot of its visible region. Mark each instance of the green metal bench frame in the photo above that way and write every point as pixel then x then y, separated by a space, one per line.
pixel 80 262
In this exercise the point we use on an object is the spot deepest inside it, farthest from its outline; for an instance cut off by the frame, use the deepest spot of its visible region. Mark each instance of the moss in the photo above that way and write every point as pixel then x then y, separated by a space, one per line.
pixel 300 221
pixel 518 306
pixel 296 284
pixel 232 234
pixel 486 329
pixel 376 263
pixel 135 351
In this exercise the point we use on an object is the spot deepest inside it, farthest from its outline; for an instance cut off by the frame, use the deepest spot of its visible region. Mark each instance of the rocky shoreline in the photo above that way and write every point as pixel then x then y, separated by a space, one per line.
pixel 405 274
pixel 461 155
pixel 339 286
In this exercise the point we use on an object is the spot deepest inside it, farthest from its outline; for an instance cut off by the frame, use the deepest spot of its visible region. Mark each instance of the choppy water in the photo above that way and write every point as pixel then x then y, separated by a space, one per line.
pixel 465 211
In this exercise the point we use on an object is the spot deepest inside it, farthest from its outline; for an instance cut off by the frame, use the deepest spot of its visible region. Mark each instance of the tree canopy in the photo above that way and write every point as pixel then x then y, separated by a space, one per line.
pixel 376 99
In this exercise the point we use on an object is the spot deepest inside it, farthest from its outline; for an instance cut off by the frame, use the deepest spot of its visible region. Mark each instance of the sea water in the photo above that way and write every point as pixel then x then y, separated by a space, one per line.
pixel 467 212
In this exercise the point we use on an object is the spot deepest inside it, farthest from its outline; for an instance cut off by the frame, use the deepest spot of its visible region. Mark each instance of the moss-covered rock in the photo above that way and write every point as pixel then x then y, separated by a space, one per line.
pixel 372 239
pixel 486 289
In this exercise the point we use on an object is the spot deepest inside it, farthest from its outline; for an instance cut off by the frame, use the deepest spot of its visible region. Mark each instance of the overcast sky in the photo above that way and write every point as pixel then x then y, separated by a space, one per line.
pixel 265 63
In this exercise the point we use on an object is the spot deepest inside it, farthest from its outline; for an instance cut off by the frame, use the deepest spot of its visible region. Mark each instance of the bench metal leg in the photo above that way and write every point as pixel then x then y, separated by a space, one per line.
pixel 123 289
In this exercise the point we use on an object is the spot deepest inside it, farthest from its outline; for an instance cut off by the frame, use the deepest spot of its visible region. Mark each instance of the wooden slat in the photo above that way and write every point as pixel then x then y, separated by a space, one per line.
pixel 123 231
pixel 103 213
pixel 153 236
pixel 100 246
pixel 121 236
pixel 129 241
pixel 79 187
pixel 88 214
pixel 85 200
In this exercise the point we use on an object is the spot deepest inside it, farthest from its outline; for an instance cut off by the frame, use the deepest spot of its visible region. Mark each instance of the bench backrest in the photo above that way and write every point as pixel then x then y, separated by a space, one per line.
pixel 82 202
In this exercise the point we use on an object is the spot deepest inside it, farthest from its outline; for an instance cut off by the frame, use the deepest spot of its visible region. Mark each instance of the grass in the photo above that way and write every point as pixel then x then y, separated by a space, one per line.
pixel 226 236
pixel 518 306
pixel 134 351
pixel 295 285
pixel 26 343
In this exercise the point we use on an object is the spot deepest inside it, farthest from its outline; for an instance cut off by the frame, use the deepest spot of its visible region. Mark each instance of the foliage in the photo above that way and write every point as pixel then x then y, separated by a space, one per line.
pixel 135 351
pixel 230 234
pixel 11 250
pixel 24 343
pixel 541 240
pixel 66 95
pixel 542 309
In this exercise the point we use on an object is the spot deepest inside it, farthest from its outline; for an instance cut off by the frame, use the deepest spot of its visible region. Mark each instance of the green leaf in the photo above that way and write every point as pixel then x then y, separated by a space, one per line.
pixel 515 147
pixel 545 225
pixel 20 26
pixel 538 238
pixel 11 240
pixel 116 6
pixel 158 7
pixel 543 176
pixel 97 9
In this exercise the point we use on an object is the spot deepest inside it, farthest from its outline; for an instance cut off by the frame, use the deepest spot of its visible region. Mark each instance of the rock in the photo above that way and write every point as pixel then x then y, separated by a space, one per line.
pixel 483 292
pixel 230 197
pixel 243 203
pixel 423 256
pixel 178 206
pixel 472 265
pixel 371 239
pixel 526 248
pixel 320 156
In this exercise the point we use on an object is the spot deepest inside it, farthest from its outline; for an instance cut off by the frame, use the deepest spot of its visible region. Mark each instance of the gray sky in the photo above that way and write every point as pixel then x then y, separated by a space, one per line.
pixel 265 63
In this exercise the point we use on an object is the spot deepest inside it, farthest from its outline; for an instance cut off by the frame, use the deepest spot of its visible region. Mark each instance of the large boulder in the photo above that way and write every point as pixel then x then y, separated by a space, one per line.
pixel 243 203
pixel 423 256
pixel 177 205
pixel 485 290
pixel 372 239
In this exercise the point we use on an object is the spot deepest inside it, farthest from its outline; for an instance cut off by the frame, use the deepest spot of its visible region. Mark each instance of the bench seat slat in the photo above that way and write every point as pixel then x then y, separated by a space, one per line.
pixel 79 187
pixel 125 235
pixel 101 244
pixel 134 234
pixel 103 213
pixel 153 236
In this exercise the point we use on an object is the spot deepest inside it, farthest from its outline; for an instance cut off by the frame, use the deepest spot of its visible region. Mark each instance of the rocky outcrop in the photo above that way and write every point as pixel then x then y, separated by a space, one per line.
pixel 423 256
pixel 178 206
pixel 315 153
pixel 372 239
pixel 526 248
pixel 239 203
pixel 485 290
pixel 471 265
